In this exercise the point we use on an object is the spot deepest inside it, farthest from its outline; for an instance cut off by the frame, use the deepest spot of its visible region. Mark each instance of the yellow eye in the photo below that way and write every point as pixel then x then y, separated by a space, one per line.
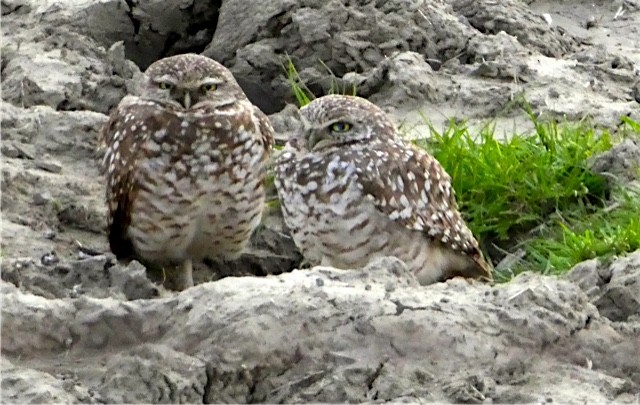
pixel 165 85
pixel 209 87
pixel 340 127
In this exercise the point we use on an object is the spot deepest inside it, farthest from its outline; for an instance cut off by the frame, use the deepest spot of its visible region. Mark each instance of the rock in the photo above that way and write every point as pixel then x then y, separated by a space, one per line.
pixel 635 91
pixel 516 19
pixel 285 123
pixel 54 66
pixel 613 287
pixel 134 377
pixel 148 30
pixel 18 386
pixel 94 276
pixel 10 151
pixel 352 338
pixel 81 216
pixel 42 198
pixel 49 166
pixel 401 78
pixel 42 130
pixel 22 151
pixel 620 297
pixel 302 30
pixel 499 47
pixel 590 276
pixel 474 389
pixel 49 259
pixel 620 164
pixel 132 281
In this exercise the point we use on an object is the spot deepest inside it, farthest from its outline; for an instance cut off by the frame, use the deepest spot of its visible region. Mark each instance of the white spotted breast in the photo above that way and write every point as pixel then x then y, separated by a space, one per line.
pixel 330 218
pixel 197 178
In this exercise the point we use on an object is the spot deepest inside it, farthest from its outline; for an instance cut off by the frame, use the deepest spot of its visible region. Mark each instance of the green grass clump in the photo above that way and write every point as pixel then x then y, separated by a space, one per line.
pixel 301 91
pixel 568 241
pixel 512 185
pixel 536 192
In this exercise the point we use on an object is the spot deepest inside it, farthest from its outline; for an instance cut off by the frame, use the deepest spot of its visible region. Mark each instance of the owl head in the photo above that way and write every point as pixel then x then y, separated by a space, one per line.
pixel 337 120
pixel 189 81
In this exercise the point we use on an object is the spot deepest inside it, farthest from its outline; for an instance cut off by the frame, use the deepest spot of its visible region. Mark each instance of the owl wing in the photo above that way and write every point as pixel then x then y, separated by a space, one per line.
pixel 265 128
pixel 413 189
pixel 121 146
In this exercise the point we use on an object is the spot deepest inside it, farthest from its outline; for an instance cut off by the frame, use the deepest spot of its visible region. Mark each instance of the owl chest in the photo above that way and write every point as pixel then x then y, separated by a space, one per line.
pixel 205 163
pixel 205 186
pixel 331 210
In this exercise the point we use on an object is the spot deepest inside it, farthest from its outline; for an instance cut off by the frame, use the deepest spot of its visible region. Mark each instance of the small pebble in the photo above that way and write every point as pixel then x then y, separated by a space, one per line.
pixel 25 151
pixel 635 91
pixel 42 198
pixel 49 234
pixel 49 259
pixel 62 269
pixel 10 151
pixel 76 291
pixel 49 166
pixel 591 22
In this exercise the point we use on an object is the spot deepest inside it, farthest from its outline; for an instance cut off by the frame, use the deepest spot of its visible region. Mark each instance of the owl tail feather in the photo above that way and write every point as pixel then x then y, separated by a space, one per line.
pixel 484 269
pixel 119 242
pixel 471 267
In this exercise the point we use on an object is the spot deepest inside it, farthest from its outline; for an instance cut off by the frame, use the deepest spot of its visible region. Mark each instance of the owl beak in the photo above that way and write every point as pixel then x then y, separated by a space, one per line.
pixel 186 101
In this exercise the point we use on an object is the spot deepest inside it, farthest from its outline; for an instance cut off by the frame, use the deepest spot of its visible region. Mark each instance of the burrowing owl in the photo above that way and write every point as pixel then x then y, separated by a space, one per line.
pixel 351 190
pixel 185 166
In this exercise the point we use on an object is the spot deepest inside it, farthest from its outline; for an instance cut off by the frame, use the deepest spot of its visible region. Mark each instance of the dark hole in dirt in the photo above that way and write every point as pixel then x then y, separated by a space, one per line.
pixel 250 265
pixel 159 35
pixel 615 63
pixel 152 43
pixel 64 105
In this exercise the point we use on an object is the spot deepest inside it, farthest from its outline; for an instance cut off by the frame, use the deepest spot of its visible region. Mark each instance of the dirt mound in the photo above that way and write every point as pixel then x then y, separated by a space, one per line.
pixel 325 335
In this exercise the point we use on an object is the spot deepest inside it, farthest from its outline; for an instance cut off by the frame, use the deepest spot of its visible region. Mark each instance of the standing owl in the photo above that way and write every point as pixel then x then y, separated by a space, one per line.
pixel 351 190
pixel 185 167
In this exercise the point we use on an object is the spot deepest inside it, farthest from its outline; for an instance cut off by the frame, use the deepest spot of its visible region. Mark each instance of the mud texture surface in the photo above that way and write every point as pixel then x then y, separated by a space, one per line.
pixel 79 327
pixel 325 335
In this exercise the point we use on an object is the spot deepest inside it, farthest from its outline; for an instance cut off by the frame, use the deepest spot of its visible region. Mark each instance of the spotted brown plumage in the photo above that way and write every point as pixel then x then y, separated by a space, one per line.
pixel 185 167
pixel 351 190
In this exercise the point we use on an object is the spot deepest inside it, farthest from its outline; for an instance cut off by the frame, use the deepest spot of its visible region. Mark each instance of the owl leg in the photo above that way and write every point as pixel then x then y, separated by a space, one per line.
pixel 185 279
pixel 177 276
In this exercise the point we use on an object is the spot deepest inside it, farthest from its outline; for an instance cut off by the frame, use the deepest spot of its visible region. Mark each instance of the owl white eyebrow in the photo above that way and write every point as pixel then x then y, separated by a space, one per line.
pixel 210 80
pixel 165 79
pixel 337 120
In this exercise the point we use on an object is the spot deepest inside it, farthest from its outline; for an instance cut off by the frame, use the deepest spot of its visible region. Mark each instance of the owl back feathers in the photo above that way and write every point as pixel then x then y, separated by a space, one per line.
pixel 411 188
